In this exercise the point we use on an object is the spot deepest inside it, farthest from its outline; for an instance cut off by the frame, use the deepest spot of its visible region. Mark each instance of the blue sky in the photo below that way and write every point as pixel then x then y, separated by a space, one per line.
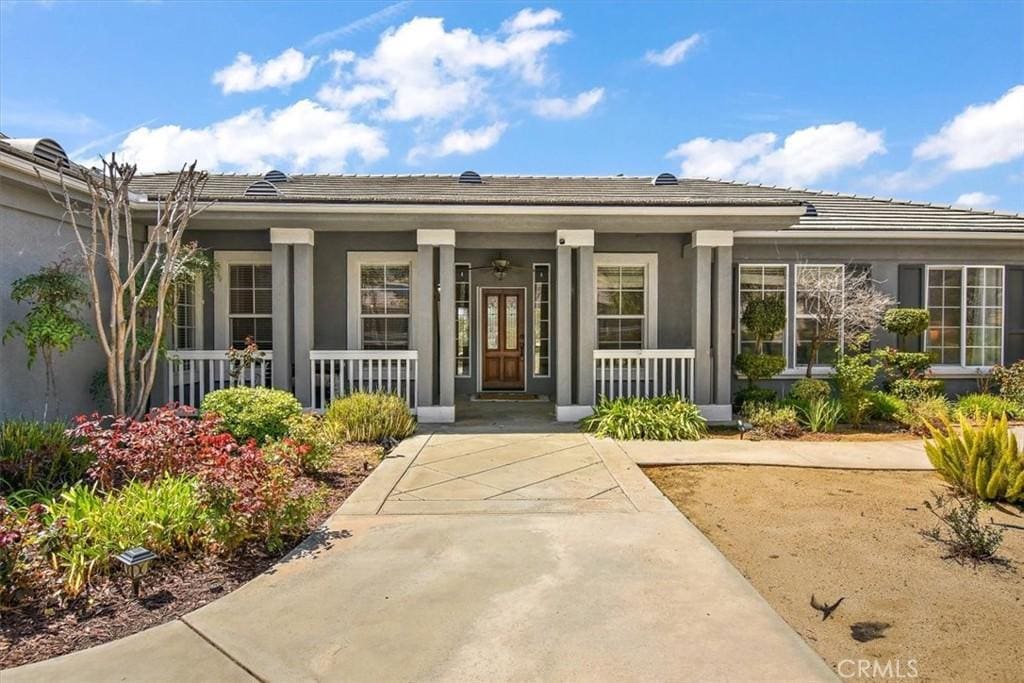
pixel 913 100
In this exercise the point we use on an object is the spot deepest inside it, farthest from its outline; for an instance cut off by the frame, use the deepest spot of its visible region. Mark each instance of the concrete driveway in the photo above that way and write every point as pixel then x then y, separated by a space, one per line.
pixel 482 556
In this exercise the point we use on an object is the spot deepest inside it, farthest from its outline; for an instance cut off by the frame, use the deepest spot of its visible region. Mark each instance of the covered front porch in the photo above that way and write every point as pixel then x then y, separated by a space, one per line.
pixel 571 315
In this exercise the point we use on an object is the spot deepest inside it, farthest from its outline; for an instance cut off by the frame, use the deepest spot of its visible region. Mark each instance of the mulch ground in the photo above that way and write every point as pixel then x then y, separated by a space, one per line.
pixel 174 587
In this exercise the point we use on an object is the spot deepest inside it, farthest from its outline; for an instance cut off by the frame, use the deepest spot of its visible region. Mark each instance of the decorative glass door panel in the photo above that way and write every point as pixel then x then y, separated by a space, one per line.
pixel 503 332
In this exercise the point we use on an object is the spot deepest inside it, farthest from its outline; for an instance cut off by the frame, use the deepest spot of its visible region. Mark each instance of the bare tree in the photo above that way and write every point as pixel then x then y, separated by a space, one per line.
pixel 131 326
pixel 842 303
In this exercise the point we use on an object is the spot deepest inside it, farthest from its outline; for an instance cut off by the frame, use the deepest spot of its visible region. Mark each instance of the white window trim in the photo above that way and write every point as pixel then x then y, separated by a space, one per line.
pixel 650 265
pixel 957 370
pixel 533 304
pixel 796 284
pixel 785 295
pixel 469 364
pixel 358 259
pixel 197 313
pixel 222 288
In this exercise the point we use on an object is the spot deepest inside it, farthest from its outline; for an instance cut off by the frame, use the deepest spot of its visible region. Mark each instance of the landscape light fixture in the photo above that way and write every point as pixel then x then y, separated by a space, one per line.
pixel 744 427
pixel 135 563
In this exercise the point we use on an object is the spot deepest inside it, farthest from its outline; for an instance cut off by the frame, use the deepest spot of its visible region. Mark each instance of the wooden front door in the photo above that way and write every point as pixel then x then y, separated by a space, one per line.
pixel 502 335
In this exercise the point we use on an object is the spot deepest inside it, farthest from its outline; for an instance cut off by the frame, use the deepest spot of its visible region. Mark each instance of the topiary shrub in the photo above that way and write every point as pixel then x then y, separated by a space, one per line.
pixel 772 421
pixel 1011 381
pixel 753 394
pixel 252 412
pixel 763 318
pixel 886 406
pixel 987 405
pixel 663 418
pixel 757 367
pixel 917 388
pixel 982 460
pixel 810 390
pixel 905 322
pixel 367 417
pixel 39 455
pixel 903 364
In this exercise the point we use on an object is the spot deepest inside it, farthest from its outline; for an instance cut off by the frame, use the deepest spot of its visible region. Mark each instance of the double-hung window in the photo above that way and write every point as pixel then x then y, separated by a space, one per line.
pixel 760 282
pixel 243 299
pixel 805 319
pixel 384 305
pixel 185 333
pixel 965 307
pixel 626 297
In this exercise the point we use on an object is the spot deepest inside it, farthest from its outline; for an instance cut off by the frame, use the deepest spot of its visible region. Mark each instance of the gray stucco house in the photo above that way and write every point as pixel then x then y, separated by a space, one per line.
pixel 440 287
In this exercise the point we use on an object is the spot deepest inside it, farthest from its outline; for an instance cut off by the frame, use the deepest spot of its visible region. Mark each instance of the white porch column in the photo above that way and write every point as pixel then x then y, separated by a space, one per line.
pixel 566 408
pixel 302 241
pixel 281 305
pixel 423 313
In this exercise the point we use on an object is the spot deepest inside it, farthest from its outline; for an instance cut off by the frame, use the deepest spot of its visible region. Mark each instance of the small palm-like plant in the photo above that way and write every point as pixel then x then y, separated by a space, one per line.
pixel 982 460
pixel 663 418
pixel 819 415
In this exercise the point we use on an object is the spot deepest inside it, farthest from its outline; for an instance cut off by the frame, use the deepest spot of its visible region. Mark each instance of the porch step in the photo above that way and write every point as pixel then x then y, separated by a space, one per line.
pixel 507 396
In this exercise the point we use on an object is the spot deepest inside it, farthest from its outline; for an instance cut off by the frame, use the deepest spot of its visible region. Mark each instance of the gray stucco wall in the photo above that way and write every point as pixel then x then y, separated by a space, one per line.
pixel 32 235
pixel 884 260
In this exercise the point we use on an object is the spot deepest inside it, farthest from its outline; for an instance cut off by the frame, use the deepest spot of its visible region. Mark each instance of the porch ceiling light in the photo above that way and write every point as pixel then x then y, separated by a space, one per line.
pixel 136 562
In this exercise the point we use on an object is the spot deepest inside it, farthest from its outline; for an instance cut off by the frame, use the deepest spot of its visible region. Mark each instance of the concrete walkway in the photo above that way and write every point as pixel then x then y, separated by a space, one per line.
pixel 493 555
pixel 854 455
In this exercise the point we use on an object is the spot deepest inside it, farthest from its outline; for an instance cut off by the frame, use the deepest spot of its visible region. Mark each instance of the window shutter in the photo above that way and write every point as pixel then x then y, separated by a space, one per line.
pixel 1013 325
pixel 911 295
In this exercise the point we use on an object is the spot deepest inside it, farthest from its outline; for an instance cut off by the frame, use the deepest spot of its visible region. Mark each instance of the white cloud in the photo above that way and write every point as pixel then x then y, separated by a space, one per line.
pixel 301 137
pixel 340 97
pixel 528 19
pixel 674 53
pixel 460 141
pixel 568 108
pixel 430 72
pixel 981 135
pixel 804 157
pixel 976 200
pixel 245 75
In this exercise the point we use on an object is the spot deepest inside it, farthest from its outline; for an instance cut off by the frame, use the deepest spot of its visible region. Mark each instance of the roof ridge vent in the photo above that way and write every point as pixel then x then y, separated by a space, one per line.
pixel 665 179
pixel 470 178
pixel 44 149
pixel 262 188
pixel 275 176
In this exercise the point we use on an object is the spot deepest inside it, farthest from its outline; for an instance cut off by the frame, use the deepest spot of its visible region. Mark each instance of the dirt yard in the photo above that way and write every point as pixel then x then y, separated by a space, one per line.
pixel 855 534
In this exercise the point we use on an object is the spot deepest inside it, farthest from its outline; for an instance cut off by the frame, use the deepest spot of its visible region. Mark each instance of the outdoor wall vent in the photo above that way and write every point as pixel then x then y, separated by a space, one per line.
pixel 261 188
pixel 665 179
pixel 470 178
pixel 275 176
pixel 43 149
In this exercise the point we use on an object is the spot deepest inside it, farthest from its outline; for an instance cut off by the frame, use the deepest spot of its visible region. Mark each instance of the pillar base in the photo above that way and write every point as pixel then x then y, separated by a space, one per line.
pixel 572 413
pixel 435 414
pixel 716 412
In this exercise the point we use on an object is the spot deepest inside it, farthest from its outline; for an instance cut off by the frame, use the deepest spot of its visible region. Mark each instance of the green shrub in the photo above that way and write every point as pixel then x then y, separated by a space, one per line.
pixel 1011 381
pixel 772 420
pixel 819 415
pixel 665 418
pixel 754 394
pixel 903 364
pixel 252 412
pixel 763 318
pixel 924 412
pixel 310 431
pixel 39 456
pixel 886 406
pixel 906 322
pixel 369 417
pixel 757 367
pixel 810 390
pixel 987 405
pixel 983 460
pixel 855 375
pixel 912 389
pixel 164 516
pixel 968 538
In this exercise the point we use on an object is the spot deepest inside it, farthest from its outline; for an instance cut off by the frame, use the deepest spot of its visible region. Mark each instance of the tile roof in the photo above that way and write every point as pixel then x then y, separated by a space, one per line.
pixel 825 210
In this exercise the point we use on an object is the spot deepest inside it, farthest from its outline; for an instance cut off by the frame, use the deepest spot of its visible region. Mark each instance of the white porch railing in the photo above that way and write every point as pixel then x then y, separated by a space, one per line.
pixel 193 374
pixel 643 373
pixel 338 373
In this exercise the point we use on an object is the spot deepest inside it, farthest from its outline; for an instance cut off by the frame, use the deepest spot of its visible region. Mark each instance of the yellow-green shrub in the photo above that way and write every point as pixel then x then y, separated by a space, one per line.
pixel 310 430
pixel 252 412
pixel 983 460
pixel 362 416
